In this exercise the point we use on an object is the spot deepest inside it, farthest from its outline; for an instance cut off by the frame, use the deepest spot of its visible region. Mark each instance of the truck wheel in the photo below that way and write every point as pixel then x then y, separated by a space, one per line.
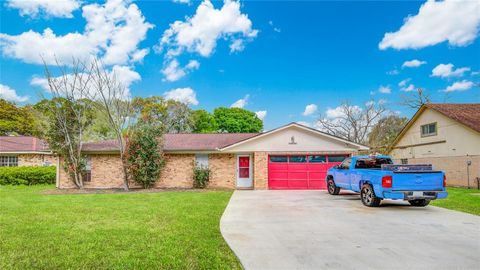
pixel 332 188
pixel 368 196
pixel 419 202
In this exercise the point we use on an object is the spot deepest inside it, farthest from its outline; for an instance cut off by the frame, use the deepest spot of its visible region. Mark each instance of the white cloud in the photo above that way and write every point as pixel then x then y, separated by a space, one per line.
pixel 10 94
pixel 49 8
pixel 201 32
pixel 340 112
pixel 413 63
pixel 303 123
pixel 437 21
pixel 276 29
pixel 237 46
pixel 123 74
pixel 474 73
pixel 182 1
pixel 382 101
pixel 403 83
pixel 185 95
pixel 173 71
pixel 261 114
pixel 112 31
pixel 310 109
pixel 241 102
pixel 385 89
pixel 447 70
pixel 408 88
pixel 393 72
pixel 459 86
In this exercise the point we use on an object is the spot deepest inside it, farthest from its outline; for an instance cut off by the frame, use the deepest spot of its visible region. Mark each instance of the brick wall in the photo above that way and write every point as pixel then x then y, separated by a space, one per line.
pixel 455 168
pixel 223 169
pixel 260 170
pixel 178 171
pixel 36 160
pixel 106 173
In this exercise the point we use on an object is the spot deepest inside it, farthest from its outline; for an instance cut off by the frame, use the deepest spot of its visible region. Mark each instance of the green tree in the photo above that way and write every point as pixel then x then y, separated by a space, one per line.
pixel 144 153
pixel 68 118
pixel 385 131
pixel 16 120
pixel 236 120
pixel 204 122
pixel 171 115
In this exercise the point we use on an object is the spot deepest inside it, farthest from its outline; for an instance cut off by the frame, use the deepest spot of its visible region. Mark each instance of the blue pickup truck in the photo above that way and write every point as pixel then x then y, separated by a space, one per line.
pixel 377 178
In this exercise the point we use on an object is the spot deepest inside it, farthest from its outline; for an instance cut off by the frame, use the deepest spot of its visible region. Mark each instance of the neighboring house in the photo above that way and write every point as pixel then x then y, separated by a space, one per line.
pixel 445 135
pixel 290 157
pixel 25 151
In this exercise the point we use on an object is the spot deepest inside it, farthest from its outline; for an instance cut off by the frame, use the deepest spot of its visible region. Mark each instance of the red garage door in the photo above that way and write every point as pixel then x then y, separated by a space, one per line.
pixel 300 171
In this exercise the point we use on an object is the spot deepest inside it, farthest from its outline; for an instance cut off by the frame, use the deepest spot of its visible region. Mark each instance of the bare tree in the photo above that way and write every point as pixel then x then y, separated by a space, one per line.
pixel 69 113
pixel 114 102
pixel 352 122
pixel 416 99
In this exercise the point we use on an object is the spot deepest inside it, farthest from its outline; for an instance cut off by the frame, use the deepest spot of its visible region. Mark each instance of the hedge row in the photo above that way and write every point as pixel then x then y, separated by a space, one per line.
pixel 27 175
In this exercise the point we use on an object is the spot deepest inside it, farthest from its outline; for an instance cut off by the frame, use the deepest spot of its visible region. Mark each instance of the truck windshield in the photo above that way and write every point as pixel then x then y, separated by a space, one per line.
pixel 372 163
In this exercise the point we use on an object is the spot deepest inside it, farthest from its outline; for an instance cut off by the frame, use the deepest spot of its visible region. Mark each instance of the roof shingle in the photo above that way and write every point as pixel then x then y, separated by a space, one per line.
pixel 22 144
pixel 467 114
pixel 181 142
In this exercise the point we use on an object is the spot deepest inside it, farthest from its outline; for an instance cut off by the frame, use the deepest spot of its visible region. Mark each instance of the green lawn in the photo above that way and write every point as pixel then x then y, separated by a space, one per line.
pixel 461 199
pixel 164 230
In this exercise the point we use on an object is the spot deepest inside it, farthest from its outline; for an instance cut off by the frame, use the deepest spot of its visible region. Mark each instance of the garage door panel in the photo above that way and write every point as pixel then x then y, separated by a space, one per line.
pixel 278 174
pixel 278 184
pixel 317 175
pixel 278 166
pixel 298 184
pixel 297 166
pixel 317 184
pixel 298 173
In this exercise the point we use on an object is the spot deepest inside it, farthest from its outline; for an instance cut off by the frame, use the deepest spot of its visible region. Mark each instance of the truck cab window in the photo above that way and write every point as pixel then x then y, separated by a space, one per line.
pixel 372 163
pixel 345 164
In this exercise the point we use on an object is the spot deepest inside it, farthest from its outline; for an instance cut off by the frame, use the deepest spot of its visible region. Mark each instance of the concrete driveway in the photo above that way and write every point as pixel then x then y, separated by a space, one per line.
pixel 313 230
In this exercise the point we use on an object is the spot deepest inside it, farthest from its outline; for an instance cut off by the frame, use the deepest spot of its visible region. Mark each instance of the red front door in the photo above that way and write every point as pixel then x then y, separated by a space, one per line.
pixel 300 171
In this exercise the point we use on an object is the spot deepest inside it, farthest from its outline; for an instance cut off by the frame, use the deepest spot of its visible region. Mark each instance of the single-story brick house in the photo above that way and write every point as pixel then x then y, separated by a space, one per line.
pixel 290 157
pixel 25 151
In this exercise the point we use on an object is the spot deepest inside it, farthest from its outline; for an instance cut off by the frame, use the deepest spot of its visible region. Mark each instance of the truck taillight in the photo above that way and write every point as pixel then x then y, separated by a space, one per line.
pixel 444 180
pixel 387 181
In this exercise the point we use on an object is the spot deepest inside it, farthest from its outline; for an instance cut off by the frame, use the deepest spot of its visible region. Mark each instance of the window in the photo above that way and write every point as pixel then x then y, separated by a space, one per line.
pixel 336 158
pixel 201 160
pixel 345 164
pixel 404 161
pixel 298 159
pixel 8 161
pixel 428 129
pixel 372 163
pixel 317 159
pixel 87 177
pixel 278 158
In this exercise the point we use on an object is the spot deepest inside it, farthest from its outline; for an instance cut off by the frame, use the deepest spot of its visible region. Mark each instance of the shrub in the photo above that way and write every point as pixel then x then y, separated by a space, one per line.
pixel 27 175
pixel 201 176
pixel 144 155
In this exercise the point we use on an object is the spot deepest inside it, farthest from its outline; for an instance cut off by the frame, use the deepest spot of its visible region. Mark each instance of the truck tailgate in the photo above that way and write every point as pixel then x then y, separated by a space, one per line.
pixel 417 181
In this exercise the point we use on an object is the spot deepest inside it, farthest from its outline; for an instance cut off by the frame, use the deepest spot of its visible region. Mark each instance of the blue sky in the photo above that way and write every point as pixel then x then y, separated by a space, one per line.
pixel 272 56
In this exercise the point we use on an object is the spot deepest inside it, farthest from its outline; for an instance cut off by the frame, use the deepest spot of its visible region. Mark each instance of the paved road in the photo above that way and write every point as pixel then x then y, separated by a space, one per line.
pixel 313 230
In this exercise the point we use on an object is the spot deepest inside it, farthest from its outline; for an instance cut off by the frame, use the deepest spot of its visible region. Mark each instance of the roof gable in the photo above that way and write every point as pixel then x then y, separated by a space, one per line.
pixel 283 139
pixel 466 114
